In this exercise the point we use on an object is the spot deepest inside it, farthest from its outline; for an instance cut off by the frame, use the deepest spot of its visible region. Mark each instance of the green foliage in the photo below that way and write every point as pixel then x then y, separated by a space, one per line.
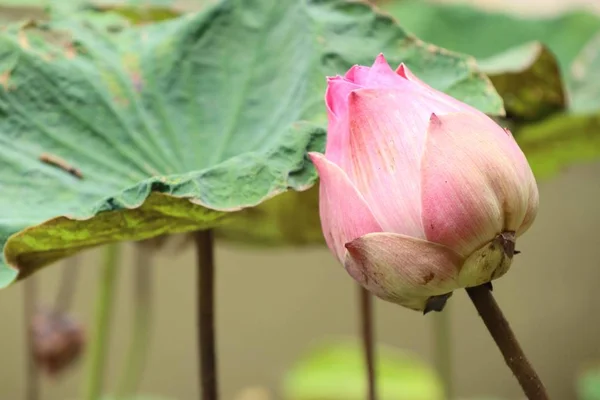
pixel 585 78
pixel 484 34
pixel 138 397
pixel 175 125
pixel 528 79
pixel 336 372
pixel 588 385
pixel 569 138
pixel 25 3
pixel 560 141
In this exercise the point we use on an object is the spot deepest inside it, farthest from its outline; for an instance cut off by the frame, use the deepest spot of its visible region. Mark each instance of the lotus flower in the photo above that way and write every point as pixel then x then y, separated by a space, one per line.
pixel 420 194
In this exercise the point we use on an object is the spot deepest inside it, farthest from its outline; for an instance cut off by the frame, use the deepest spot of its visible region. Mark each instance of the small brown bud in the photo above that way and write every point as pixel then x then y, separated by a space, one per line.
pixel 57 339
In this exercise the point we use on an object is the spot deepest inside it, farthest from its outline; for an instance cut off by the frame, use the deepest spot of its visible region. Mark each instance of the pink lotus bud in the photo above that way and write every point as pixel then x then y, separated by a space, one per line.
pixel 420 193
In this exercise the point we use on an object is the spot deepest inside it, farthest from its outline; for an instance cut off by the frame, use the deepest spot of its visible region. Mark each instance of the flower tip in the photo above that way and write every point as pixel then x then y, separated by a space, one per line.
pixel 353 248
pixel 403 71
pixel 435 120
pixel 380 60
pixel 314 156
pixel 361 95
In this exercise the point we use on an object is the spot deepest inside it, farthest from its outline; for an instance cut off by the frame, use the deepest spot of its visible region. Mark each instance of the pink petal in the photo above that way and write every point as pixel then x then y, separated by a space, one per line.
pixel 402 269
pixel 387 137
pixel 476 182
pixel 336 98
pixel 358 75
pixel 381 75
pixel 533 197
pixel 532 206
pixel 344 213
pixel 431 93
pixel 406 73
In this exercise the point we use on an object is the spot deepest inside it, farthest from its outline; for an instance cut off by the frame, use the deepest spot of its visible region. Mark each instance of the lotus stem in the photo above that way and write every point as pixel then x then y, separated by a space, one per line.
pixel 29 306
pixel 506 341
pixel 443 349
pixel 206 315
pixel 368 340
pixel 66 289
pixel 140 333
pixel 100 335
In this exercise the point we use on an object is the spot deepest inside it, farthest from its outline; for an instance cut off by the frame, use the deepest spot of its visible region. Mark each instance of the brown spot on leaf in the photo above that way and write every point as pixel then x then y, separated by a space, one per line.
pixel 70 52
pixel 56 161
pixel 4 80
pixel 138 83
pixel 23 40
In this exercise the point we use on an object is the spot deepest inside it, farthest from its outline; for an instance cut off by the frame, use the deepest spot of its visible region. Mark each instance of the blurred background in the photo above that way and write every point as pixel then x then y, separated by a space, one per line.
pixel 275 305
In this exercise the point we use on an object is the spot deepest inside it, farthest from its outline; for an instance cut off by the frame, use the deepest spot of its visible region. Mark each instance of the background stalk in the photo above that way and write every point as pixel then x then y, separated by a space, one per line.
pixel 443 349
pixel 142 319
pixel 66 289
pixel 100 336
pixel 505 339
pixel 368 340
pixel 206 315
pixel 32 379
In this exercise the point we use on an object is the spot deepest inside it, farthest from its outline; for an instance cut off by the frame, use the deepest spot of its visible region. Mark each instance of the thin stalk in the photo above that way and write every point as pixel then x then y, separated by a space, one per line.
pixel 30 307
pixel 206 315
pixel 100 335
pixel 66 289
pixel 506 341
pixel 138 347
pixel 443 349
pixel 368 340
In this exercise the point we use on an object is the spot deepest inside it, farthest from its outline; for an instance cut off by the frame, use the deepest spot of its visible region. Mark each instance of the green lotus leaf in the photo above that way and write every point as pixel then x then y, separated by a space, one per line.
pixel 568 138
pixel 528 79
pixel 171 127
pixel 585 78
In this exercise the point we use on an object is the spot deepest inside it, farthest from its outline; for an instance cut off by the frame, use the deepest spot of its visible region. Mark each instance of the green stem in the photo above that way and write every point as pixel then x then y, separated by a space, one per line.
pixel 443 349
pixel 104 305
pixel 136 358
